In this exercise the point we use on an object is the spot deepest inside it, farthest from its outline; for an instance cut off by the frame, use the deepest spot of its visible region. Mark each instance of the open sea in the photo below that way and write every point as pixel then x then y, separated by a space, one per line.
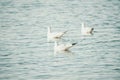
pixel 25 53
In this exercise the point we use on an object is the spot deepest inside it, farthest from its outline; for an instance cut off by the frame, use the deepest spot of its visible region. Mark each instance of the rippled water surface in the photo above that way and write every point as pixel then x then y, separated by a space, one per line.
pixel 25 53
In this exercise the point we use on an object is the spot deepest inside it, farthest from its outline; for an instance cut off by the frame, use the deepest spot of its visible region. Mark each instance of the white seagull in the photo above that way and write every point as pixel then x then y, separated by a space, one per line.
pixel 62 47
pixel 51 36
pixel 86 30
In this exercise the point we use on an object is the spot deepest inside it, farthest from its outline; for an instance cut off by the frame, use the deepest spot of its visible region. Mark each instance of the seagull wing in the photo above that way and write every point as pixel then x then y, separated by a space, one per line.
pixel 58 34
pixel 68 46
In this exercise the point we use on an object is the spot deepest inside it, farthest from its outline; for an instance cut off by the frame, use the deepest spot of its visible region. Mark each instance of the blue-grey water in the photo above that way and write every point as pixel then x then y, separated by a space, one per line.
pixel 25 53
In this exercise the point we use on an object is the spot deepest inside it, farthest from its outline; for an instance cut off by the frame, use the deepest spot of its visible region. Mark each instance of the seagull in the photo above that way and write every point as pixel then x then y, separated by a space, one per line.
pixel 63 47
pixel 54 35
pixel 86 30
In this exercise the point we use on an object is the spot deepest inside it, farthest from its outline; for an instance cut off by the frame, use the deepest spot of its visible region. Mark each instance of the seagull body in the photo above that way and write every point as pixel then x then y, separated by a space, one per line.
pixel 86 30
pixel 54 35
pixel 63 47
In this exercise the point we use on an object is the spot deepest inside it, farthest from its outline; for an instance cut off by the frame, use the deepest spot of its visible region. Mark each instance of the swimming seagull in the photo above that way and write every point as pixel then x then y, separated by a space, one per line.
pixel 62 47
pixel 86 30
pixel 54 35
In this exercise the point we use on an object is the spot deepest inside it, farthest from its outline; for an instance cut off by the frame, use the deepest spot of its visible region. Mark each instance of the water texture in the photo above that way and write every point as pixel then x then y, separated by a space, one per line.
pixel 25 53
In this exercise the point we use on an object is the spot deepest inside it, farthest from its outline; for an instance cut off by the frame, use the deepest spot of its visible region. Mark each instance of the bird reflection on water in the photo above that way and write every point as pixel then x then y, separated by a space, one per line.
pixel 65 53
